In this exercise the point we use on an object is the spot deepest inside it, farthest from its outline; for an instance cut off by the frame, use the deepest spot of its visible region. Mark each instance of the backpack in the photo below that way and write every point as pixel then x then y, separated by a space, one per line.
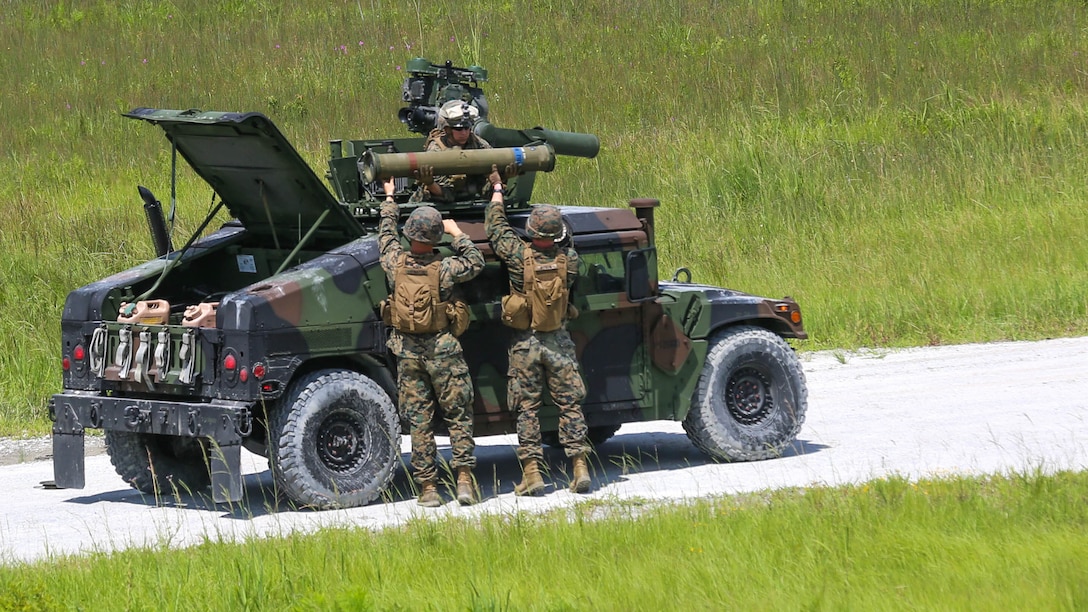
pixel 416 306
pixel 543 304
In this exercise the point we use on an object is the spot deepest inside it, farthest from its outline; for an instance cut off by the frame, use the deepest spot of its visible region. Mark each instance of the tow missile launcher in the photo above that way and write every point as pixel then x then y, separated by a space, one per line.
pixel 429 86
pixel 378 166
pixel 265 332
pixel 426 88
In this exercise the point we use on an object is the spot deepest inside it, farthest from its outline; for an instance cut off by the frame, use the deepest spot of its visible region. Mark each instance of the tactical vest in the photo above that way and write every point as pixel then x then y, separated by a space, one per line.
pixel 542 306
pixel 436 137
pixel 416 306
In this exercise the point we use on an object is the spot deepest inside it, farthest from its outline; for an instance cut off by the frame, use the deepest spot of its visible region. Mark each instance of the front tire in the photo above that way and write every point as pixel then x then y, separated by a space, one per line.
pixel 335 440
pixel 159 465
pixel 751 398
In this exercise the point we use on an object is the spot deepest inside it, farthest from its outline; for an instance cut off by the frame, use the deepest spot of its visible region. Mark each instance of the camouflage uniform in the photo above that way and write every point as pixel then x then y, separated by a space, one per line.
pixel 457 186
pixel 431 367
pixel 539 358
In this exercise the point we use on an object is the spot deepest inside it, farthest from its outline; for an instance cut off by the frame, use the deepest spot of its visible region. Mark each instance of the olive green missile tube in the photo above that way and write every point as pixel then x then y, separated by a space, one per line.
pixel 574 144
pixel 380 166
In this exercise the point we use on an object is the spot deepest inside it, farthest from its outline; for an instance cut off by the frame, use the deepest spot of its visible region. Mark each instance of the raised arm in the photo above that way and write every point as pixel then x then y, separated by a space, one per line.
pixel 504 240
pixel 388 238
pixel 466 263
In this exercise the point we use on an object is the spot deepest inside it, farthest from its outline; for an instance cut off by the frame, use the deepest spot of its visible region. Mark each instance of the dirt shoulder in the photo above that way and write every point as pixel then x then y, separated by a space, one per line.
pixel 13 451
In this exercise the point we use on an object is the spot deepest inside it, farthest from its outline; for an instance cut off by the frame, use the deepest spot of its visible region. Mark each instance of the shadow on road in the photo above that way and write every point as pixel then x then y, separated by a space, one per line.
pixel 497 470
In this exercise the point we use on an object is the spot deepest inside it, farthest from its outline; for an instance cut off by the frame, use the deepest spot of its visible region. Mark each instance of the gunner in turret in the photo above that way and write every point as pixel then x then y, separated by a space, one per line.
pixel 454 131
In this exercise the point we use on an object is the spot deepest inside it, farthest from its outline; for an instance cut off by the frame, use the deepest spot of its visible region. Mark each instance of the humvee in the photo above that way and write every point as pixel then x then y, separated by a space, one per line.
pixel 264 333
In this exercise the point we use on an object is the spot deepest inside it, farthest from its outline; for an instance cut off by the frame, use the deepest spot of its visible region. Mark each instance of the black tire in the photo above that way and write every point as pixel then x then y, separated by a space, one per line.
pixel 751 398
pixel 597 435
pixel 160 465
pixel 335 440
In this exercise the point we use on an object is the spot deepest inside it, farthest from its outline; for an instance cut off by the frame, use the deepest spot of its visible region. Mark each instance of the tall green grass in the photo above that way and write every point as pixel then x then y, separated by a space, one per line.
pixel 1014 542
pixel 910 171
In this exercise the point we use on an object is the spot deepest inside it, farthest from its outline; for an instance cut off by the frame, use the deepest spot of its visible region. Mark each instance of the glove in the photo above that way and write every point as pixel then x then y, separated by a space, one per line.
pixel 494 178
pixel 511 171
pixel 425 175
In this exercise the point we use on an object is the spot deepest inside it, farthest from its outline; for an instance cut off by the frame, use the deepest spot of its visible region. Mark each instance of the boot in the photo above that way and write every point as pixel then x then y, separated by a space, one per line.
pixel 580 483
pixel 531 482
pixel 428 495
pixel 466 494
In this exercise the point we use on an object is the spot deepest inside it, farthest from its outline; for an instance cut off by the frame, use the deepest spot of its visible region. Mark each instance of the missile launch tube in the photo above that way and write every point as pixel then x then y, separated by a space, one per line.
pixel 574 144
pixel 380 166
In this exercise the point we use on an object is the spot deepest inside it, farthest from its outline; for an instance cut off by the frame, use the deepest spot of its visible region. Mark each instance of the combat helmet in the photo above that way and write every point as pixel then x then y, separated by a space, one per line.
pixel 545 222
pixel 424 225
pixel 457 114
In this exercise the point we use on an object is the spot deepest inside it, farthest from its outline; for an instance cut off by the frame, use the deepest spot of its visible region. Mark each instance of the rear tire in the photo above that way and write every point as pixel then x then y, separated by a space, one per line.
pixel 159 465
pixel 335 440
pixel 751 398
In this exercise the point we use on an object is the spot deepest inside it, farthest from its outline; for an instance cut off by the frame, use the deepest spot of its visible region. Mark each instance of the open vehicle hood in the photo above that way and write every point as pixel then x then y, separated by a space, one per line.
pixel 260 177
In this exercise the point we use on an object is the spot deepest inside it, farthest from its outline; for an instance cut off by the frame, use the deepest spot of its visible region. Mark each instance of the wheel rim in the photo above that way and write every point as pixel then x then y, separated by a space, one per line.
pixel 748 396
pixel 340 443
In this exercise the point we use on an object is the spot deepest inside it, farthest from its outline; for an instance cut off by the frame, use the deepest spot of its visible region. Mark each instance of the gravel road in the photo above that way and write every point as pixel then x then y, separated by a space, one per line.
pixel 968 409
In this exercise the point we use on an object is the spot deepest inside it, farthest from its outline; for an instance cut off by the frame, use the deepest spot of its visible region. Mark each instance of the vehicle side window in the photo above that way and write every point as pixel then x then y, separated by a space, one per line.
pixel 600 273
pixel 488 287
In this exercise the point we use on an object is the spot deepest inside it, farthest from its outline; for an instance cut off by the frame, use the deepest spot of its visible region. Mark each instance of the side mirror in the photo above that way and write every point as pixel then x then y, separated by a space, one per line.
pixel 641 276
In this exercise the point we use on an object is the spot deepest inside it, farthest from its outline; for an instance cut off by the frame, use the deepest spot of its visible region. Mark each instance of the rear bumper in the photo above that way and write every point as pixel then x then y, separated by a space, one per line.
pixel 224 422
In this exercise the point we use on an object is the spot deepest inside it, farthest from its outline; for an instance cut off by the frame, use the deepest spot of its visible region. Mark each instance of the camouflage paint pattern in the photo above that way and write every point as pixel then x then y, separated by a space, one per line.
pixel 545 221
pixel 440 380
pixel 424 225
pixel 291 305
pixel 540 360
pixel 463 266
pixel 431 369
pixel 510 248
pixel 606 334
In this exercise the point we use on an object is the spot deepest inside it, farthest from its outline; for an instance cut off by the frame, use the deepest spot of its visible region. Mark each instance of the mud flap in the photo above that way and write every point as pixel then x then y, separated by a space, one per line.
pixel 226 466
pixel 68 461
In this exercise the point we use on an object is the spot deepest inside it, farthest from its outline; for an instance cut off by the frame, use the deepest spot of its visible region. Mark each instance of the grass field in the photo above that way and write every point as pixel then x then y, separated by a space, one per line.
pixel 1014 542
pixel 910 171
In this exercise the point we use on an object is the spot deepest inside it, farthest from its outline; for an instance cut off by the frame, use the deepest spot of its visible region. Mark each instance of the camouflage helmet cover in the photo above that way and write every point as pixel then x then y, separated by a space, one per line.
pixel 545 221
pixel 457 113
pixel 424 225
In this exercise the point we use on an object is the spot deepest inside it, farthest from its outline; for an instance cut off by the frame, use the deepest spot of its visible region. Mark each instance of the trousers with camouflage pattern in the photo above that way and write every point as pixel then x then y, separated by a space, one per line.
pixel 423 383
pixel 539 359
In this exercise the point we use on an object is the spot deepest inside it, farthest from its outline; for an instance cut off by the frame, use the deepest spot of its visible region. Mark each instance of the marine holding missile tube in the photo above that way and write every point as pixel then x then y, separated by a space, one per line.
pixel 531 158
pixel 453 131
pixel 449 165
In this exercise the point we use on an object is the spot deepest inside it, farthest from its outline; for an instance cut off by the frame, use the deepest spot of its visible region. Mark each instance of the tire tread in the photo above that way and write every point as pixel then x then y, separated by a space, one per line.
pixel 702 423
